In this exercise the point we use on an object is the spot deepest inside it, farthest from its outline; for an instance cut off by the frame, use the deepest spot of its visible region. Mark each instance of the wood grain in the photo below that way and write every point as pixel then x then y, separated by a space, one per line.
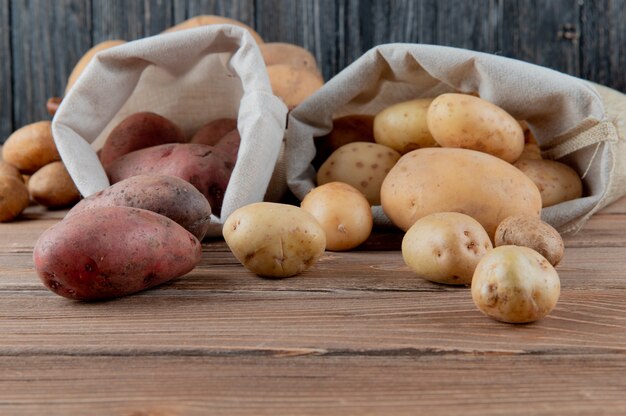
pixel 6 74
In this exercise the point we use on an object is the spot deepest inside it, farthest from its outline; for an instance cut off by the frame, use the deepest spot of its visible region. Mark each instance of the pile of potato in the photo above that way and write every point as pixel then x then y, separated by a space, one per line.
pixel 458 174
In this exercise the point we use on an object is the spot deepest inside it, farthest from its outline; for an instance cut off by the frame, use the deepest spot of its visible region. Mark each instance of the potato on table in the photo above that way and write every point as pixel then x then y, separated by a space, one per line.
pixel 53 187
pixel 14 197
pixel 31 147
pixel 274 240
pixel 533 233
pixel 206 168
pixel 170 196
pixel 108 252
pixel 7 169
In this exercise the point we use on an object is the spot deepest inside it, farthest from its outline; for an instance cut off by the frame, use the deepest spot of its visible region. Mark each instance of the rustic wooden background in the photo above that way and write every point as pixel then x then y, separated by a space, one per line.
pixel 41 40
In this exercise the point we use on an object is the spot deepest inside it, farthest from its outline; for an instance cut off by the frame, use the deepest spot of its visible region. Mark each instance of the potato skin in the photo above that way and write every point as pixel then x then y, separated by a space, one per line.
pixel 86 58
pixel 31 147
pixel 403 126
pixel 515 284
pixel 482 186
pixel 275 53
pixel 138 131
pixel 445 247
pixel 347 129
pixel 293 85
pixel 108 252
pixel 343 212
pixel 464 121
pixel 7 169
pixel 14 197
pixel 206 168
pixel 533 233
pixel 169 196
pixel 274 240
pixel 53 187
pixel 556 181
pixel 212 132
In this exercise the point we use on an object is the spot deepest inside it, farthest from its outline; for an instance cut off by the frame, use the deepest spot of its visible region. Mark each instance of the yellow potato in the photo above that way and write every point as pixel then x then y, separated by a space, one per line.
pixel 293 85
pixel 533 233
pixel 403 126
pixel 347 129
pixel 445 247
pixel 464 121
pixel 86 58
pixel 482 186
pixel 531 151
pixel 52 186
pixel 360 164
pixel 207 20
pixel 13 197
pixel 515 284
pixel 274 240
pixel 343 212
pixel 275 53
pixel 31 147
pixel 556 181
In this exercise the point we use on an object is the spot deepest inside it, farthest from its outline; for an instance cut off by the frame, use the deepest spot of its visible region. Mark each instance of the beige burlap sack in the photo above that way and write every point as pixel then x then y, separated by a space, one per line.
pixel 191 77
pixel 567 115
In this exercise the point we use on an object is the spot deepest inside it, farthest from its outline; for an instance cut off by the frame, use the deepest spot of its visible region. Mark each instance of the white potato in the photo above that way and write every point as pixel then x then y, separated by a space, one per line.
pixel 403 126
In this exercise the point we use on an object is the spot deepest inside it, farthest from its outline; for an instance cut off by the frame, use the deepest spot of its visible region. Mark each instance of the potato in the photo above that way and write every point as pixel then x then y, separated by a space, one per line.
pixel 515 284
pixel 104 253
pixel 274 240
pixel 343 212
pixel 212 132
pixel 275 53
pixel 531 151
pixel 293 85
pixel 206 20
pixel 445 247
pixel 206 168
pixel 86 58
pixel 556 181
pixel 52 105
pixel 533 233
pixel 31 147
pixel 7 169
pixel 53 187
pixel 482 186
pixel 360 164
pixel 229 144
pixel 170 196
pixel 347 129
pixel 138 131
pixel 14 197
pixel 403 126
pixel 460 120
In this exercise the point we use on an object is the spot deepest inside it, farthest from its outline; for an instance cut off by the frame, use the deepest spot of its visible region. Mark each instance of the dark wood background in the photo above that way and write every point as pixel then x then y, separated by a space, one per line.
pixel 41 40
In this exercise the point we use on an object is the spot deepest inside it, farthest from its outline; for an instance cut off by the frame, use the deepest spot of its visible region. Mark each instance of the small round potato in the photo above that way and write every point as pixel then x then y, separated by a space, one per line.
pixel 515 284
pixel 53 187
pixel 403 126
pixel 460 120
pixel 14 197
pixel 556 181
pixel 343 212
pixel 274 240
pixel 293 85
pixel 360 164
pixel 445 247
pixel 531 232
pixel 86 58
pixel 7 169
pixel 31 147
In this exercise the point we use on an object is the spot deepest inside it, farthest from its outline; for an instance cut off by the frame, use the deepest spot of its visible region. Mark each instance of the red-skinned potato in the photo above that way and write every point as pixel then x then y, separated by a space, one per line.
pixel 205 167
pixel 109 252
pixel 170 196
pixel 138 131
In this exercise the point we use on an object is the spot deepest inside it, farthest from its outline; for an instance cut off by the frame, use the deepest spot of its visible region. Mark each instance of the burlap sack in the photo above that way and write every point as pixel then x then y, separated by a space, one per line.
pixel 191 77
pixel 566 114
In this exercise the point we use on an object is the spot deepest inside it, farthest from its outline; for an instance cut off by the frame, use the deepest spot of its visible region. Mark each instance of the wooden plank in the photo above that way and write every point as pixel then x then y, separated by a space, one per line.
pixel 46 39
pixel 242 10
pixel 119 19
pixel 603 42
pixel 6 88
pixel 544 33
pixel 312 25
pixel 404 384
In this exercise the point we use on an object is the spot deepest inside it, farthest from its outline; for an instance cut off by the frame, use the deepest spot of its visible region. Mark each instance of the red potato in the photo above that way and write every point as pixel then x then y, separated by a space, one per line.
pixel 109 252
pixel 205 167
pixel 170 196
pixel 138 131
pixel 212 132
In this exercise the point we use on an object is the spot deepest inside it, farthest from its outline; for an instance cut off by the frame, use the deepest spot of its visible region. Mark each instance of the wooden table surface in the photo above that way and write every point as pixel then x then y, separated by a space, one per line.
pixel 357 334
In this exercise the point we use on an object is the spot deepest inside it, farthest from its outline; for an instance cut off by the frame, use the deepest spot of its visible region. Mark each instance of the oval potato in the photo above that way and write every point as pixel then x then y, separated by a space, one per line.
pixel 275 53
pixel 464 121
pixel 556 181
pixel 274 240
pixel 31 147
pixel 7 169
pixel 533 233
pixel 293 85
pixel 403 126
pixel 14 197
pixel 482 186
pixel 53 187
pixel 346 129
